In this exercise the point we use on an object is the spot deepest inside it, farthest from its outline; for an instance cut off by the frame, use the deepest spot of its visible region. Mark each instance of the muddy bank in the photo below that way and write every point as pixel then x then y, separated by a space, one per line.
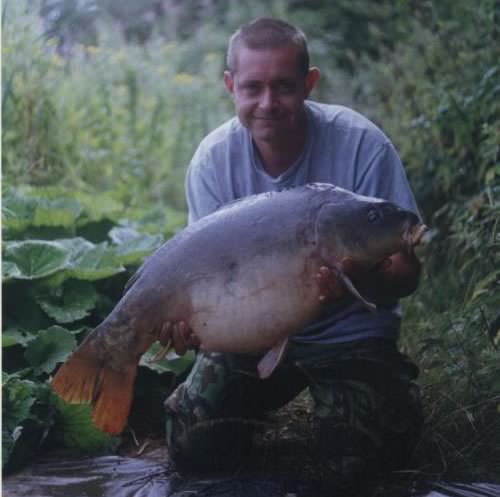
pixel 150 475
pixel 282 464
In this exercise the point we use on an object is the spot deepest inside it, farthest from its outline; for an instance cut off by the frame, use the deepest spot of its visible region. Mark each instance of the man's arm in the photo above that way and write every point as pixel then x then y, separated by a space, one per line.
pixel 384 176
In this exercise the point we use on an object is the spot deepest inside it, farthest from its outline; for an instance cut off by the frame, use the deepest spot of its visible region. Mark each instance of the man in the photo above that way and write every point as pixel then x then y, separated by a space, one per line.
pixel 367 414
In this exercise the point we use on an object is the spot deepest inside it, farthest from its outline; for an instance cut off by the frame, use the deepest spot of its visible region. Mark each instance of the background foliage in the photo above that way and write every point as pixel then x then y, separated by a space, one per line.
pixel 103 104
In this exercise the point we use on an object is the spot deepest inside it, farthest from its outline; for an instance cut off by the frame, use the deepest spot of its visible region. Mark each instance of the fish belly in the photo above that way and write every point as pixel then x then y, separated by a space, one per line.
pixel 255 305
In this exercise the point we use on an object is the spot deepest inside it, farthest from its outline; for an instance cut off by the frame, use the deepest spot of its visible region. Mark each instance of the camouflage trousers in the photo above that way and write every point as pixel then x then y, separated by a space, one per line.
pixel 367 412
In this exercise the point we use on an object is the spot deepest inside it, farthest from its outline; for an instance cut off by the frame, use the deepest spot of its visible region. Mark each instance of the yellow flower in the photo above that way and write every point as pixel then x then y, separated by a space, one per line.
pixel 118 57
pixel 212 56
pixel 92 49
pixel 57 60
pixel 184 78
pixel 168 47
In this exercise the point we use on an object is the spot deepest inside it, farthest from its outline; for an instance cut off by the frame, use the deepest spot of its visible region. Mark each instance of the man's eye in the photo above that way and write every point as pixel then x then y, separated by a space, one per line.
pixel 251 89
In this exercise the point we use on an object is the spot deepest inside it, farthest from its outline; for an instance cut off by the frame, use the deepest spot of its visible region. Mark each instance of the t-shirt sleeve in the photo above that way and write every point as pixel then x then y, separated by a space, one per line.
pixel 201 189
pixel 384 176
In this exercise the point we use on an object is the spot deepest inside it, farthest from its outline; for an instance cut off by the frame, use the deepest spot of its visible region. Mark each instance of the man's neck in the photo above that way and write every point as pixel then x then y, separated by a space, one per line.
pixel 278 156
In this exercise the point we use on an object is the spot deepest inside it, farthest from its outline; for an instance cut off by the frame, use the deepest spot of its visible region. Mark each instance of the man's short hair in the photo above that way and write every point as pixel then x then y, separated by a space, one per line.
pixel 267 32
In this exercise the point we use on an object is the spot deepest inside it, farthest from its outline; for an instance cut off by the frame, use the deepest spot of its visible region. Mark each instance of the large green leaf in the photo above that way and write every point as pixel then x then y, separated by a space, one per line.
pixel 10 270
pixel 57 212
pixel 172 363
pixel 76 429
pixel 53 206
pixel 70 302
pixel 20 309
pixel 123 234
pixel 50 347
pixel 96 208
pixel 93 262
pixel 17 399
pixel 15 336
pixel 132 245
pixel 37 208
pixel 27 413
pixel 33 259
pixel 17 210
pixel 78 258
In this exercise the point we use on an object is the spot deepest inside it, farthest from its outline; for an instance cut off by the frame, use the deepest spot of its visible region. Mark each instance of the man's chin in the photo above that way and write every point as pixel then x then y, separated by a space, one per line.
pixel 266 134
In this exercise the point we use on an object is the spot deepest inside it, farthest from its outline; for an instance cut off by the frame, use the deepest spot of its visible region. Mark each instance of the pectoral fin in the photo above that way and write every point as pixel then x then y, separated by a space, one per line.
pixel 350 286
pixel 271 359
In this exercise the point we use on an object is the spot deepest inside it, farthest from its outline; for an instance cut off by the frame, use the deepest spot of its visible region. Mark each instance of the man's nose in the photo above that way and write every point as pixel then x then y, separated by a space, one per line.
pixel 268 100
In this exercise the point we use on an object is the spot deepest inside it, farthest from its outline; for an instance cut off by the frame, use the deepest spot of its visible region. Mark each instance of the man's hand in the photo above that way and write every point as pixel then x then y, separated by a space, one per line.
pixel 179 335
pixel 329 286
pixel 397 277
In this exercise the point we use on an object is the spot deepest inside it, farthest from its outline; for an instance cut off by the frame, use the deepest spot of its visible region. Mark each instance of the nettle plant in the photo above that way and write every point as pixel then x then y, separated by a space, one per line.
pixel 66 258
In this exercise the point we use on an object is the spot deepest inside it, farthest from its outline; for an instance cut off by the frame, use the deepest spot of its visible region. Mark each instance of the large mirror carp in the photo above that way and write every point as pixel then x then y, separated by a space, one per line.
pixel 243 279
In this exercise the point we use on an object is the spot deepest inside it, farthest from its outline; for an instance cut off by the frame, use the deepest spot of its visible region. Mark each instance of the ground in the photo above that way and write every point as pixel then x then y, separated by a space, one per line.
pixel 283 456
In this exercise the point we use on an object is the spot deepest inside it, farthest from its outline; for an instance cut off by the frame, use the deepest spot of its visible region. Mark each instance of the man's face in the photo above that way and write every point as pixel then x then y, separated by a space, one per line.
pixel 269 89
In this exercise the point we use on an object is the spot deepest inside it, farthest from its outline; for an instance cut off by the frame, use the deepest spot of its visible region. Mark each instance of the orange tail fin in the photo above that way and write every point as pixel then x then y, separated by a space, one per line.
pixel 84 380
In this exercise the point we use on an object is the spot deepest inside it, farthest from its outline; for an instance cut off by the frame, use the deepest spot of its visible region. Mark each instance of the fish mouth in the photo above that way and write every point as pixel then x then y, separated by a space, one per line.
pixel 412 236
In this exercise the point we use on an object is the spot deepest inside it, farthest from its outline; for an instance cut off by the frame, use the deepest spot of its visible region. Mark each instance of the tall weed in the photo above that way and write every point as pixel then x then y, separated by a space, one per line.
pixel 438 99
pixel 113 117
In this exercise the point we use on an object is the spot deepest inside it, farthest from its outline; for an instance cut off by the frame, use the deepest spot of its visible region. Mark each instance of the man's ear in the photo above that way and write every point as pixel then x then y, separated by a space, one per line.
pixel 229 82
pixel 312 78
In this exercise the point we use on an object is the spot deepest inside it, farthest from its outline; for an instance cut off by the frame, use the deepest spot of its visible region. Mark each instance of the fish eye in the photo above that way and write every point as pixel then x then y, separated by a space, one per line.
pixel 373 215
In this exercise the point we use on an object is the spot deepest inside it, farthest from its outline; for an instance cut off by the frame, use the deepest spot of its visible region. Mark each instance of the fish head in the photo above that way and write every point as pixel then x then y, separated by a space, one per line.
pixel 358 233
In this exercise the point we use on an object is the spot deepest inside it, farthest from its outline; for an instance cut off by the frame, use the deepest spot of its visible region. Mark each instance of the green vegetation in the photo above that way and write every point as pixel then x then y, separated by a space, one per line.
pixel 439 98
pixel 58 284
pixel 96 140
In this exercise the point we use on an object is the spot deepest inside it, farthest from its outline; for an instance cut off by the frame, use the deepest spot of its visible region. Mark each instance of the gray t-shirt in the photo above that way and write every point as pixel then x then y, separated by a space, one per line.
pixel 343 148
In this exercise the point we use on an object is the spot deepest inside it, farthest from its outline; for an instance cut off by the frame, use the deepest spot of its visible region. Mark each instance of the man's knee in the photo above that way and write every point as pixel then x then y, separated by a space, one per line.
pixel 370 433
pixel 201 432
pixel 207 445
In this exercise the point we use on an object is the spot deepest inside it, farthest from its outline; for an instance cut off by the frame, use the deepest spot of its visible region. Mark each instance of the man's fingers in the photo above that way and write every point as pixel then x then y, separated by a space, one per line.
pixel 188 335
pixel 328 284
pixel 323 273
pixel 165 335
pixel 179 336
pixel 184 331
pixel 180 344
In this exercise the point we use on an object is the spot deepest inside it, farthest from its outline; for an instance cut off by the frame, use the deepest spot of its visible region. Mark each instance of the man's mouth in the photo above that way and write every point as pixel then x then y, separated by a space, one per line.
pixel 267 118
